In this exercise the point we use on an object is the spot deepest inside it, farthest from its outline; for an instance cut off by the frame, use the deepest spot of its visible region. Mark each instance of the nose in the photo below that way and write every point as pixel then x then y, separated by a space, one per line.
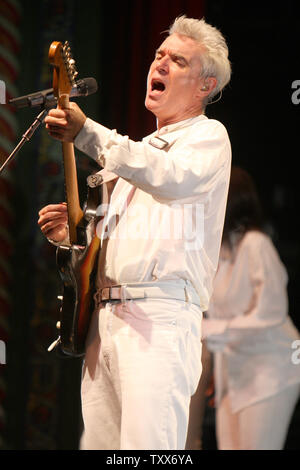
pixel 162 65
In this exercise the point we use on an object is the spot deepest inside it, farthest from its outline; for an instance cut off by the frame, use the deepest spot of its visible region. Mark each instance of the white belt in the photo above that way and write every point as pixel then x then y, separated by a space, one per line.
pixel 171 289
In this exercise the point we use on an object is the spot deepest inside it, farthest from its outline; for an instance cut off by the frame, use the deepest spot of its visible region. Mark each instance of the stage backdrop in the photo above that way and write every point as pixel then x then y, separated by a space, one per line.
pixel 115 43
pixel 39 392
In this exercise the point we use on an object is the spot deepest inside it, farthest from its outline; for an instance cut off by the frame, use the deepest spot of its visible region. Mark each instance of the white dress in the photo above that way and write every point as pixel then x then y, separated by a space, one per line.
pixel 248 326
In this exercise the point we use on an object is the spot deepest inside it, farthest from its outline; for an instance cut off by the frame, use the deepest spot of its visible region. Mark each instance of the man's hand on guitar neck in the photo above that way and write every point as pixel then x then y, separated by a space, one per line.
pixel 64 124
pixel 53 220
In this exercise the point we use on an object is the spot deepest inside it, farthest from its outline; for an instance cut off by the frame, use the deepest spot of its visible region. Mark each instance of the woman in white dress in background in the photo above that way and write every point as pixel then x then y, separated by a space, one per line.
pixel 249 331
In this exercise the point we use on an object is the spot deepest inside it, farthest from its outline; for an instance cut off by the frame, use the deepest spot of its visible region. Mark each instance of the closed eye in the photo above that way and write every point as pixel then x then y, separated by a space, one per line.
pixel 179 60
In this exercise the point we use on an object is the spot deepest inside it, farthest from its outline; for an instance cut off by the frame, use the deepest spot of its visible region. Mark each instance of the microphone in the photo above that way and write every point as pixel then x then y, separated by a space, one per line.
pixel 46 98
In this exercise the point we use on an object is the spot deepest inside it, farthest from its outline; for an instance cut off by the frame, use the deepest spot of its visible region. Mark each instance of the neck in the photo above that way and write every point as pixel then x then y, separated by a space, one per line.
pixel 167 122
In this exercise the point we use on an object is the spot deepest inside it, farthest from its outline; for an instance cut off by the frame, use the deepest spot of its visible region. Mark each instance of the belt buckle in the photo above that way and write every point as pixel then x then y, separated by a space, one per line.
pixel 105 293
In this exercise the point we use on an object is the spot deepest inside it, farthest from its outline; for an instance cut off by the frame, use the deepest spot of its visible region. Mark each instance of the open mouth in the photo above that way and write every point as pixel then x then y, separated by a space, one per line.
pixel 158 86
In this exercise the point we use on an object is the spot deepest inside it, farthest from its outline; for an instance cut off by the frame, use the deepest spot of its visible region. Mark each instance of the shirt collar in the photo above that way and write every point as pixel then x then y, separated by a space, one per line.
pixel 180 125
pixel 168 133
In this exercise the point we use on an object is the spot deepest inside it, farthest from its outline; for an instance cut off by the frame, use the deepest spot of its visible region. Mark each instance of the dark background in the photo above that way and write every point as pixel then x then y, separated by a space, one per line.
pixel 115 42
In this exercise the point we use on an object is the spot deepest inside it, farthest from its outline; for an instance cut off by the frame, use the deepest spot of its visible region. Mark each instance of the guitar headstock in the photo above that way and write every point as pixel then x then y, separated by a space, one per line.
pixel 65 72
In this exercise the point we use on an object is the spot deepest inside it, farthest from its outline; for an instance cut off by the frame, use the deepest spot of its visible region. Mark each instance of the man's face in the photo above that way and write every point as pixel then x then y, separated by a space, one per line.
pixel 173 82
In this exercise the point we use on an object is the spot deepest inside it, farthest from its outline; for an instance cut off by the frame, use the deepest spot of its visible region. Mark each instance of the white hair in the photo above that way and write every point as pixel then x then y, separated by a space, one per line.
pixel 214 58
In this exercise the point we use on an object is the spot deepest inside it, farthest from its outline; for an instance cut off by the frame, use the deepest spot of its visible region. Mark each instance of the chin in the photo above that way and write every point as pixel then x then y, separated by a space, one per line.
pixel 150 105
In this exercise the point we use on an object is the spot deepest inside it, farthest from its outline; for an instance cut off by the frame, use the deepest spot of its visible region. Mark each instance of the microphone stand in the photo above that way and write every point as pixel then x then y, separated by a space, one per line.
pixel 27 136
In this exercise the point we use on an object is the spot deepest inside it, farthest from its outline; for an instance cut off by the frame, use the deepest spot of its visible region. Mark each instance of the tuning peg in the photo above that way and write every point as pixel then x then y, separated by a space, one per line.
pixel 66 49
pixel 74 75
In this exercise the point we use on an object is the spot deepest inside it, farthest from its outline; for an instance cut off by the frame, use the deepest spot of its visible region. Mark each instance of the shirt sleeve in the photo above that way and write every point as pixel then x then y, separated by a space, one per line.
pixel 185 172
pixel 269 306
pixel 269 303
pixel 90 139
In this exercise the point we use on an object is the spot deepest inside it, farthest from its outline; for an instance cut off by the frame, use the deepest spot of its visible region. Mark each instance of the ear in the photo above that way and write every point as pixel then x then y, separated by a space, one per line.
pixel 206 86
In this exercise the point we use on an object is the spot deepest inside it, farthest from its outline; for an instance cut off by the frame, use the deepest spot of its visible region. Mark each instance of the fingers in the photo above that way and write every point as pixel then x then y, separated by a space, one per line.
pixel 58 133
pixel 47 224
pixel 56 121
pixel 57 208
pixel 54 231
pixel 64 124
pixel 57 113
pixel 58 126
pixel 52 218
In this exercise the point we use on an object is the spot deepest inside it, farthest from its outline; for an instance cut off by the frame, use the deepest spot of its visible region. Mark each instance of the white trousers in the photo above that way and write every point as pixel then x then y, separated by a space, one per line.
pixel 261 426
pixel 142 364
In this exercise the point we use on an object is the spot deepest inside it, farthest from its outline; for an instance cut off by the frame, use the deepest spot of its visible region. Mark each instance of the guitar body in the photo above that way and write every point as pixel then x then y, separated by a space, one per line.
pixel 77 266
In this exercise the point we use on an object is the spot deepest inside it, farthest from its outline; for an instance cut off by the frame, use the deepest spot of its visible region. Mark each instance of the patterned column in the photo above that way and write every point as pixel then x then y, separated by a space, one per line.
pixel 10 13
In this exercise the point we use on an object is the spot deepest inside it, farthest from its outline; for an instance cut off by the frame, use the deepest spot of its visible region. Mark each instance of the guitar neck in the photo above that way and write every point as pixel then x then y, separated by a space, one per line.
pixel 75 212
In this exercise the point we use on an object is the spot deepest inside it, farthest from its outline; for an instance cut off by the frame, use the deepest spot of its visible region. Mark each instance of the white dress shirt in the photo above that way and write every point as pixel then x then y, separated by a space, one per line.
pixel 248 327
pixel 166 212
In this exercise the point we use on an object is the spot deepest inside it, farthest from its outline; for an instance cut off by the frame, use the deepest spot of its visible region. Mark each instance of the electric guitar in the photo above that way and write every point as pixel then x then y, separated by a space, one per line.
pixel 77 263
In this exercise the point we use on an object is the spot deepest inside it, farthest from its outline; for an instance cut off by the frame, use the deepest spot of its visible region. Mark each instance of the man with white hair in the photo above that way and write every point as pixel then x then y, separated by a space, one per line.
pixel 143 352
